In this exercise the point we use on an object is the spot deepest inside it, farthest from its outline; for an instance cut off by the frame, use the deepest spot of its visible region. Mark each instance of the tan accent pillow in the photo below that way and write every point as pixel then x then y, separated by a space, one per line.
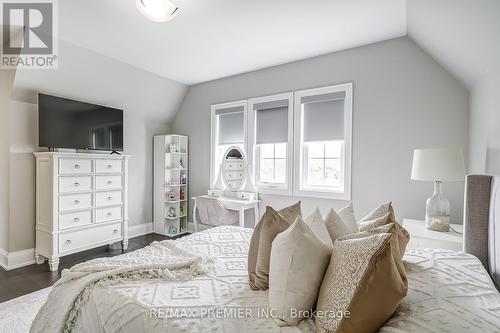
pixel 271 227
pixel 363 285
pixel 290 213
pixel 401 233
pixel 317 225
pixel 297 266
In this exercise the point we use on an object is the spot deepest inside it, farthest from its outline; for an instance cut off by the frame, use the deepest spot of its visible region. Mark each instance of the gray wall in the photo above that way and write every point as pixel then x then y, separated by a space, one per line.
pixel 7 77
pixel 149 103
pixel 402 100
pixel 6 82
pixel 485 126
pixel 473 57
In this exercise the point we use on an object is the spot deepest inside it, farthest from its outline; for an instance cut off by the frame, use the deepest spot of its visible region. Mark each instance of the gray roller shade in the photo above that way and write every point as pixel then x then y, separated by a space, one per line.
pixel 231 127
pixel 323 117
pixel 272 122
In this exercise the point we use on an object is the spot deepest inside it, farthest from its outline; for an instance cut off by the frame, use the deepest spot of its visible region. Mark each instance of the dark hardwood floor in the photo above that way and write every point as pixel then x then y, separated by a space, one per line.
pixel 30 278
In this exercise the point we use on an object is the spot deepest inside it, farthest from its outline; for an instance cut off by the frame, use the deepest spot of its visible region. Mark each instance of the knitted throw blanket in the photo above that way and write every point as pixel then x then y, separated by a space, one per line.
pixel 160 260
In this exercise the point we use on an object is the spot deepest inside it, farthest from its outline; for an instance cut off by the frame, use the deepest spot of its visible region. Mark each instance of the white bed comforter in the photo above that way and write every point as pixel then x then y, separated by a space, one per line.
pixel 69 296
pixel 448 292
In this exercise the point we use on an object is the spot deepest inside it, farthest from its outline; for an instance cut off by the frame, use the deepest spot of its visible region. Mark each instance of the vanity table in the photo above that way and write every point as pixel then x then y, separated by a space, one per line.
pixel 232 203
pixel 234 189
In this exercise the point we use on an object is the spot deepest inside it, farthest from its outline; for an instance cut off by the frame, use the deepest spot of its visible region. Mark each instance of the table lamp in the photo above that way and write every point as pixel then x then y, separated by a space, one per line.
pixel 438 165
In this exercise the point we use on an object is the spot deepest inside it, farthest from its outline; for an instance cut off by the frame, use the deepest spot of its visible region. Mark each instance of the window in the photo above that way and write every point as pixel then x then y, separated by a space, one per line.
pixel 323 142
pixel 296 143
pixel 323 162
pixel 272 163
pixel 270 136
pixel 228 129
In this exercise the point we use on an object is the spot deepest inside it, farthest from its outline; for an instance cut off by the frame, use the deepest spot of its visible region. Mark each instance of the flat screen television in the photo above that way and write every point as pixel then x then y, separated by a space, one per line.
pixel 64 123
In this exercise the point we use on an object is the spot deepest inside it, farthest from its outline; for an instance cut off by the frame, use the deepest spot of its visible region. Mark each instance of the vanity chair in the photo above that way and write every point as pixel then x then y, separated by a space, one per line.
pixel 233 191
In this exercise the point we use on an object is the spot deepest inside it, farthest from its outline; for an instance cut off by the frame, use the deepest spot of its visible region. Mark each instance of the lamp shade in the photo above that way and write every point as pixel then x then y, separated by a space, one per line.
pixel 445 164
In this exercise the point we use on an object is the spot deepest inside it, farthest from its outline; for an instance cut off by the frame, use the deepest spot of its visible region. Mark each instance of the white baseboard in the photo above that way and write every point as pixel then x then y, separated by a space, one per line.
pixel 4 258
pixel 140 229
pixel 13 260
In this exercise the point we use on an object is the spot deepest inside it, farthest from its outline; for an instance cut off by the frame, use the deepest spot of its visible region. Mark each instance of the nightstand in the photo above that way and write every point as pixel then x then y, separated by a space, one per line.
pixel 424 238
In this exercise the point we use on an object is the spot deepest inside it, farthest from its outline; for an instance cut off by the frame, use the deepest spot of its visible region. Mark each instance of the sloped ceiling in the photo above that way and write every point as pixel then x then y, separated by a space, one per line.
pixel 211 39
pixel 463 35
pixel 89 76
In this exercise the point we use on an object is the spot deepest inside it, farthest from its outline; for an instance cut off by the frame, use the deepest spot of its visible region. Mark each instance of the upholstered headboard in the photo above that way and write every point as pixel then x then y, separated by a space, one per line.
pixel 482 221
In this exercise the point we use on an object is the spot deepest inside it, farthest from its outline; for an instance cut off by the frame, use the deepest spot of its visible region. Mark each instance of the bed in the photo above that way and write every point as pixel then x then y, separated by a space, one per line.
pixel 448 291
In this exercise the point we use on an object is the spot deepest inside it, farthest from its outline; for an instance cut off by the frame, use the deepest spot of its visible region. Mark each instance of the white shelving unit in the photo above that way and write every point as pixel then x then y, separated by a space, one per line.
pixel 170 184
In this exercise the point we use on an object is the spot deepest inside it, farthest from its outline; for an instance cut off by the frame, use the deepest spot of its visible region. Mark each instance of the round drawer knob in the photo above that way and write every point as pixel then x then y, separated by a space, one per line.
pixel 76 219
pixel 77 202
pixel 77 184
pixel 77 166
pixel 67 242
pixel 109 214
pixel 109 166
pixel 110 198
pixel 115 231
pixel 109 182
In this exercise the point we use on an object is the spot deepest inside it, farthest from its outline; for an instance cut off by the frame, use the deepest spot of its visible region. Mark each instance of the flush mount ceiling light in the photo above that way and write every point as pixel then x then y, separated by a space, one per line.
pixel 157 10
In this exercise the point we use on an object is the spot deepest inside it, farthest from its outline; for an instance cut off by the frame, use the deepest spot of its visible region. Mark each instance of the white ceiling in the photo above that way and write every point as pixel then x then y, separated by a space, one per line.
pixel 462 35
pixel 211 39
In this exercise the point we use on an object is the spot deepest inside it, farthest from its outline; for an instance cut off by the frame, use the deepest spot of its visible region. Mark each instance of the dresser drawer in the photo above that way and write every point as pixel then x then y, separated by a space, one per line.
pixel 75 201
pixel 75 184
pixel 74 240
pixel 75 165
pixel 234 175
pixel 108 182
pixel 108 198
pixel 73 220
pixel 108 166
pixel 107 214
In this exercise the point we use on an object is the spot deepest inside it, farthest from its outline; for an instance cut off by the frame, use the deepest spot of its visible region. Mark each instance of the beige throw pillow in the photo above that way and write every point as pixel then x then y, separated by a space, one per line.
pixel 317 225
pixel 347 215
pixel 336 226
pixel 363 285
pixel 298 263
pixel 290 213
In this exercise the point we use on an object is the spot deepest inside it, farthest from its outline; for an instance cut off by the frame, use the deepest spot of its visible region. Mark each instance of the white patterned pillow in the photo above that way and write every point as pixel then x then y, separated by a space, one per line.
pixel 375 223
pixel 378 212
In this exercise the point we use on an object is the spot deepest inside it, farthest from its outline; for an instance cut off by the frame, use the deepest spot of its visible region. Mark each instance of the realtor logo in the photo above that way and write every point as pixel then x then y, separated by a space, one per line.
pixel 29 34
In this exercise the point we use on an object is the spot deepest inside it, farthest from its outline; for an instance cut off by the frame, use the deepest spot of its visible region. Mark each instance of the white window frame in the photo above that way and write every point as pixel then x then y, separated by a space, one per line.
pixel 299 164
pixel 214 134
pixel 254 153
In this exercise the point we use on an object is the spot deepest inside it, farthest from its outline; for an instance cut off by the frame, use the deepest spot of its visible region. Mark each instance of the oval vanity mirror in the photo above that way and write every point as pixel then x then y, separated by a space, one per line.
pixel 234 168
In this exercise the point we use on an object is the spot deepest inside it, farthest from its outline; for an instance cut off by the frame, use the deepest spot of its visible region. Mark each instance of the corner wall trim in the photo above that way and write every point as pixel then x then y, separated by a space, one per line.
pixel 13 260
pixel 140 229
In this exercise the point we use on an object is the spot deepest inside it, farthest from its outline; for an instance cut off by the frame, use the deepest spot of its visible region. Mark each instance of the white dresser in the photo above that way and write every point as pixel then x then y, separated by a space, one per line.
pixel 81 203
